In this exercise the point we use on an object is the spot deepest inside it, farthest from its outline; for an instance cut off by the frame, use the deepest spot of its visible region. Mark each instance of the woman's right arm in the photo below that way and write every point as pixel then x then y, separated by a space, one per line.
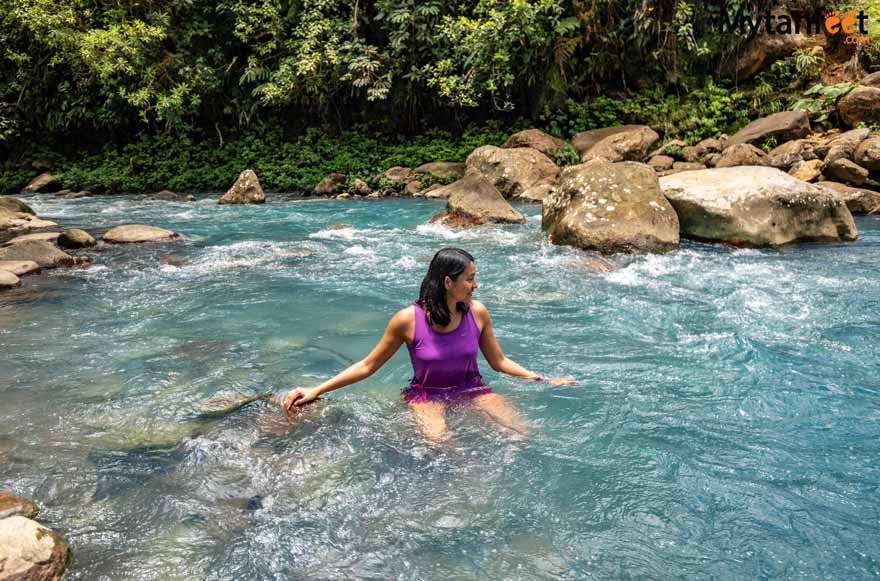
pixel 392 339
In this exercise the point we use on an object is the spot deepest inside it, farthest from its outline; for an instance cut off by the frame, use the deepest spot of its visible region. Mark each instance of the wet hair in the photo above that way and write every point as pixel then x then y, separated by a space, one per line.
pixel 449 262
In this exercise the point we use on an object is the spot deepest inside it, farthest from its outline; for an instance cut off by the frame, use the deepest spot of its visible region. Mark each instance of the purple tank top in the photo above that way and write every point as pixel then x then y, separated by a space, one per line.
pixel 445 360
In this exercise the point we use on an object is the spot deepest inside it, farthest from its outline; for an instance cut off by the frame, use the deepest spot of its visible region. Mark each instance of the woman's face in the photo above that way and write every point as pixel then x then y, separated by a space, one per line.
pixel 462 287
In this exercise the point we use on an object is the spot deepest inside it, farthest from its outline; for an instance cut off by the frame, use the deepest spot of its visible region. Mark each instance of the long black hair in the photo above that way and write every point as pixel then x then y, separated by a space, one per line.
pixel 449 262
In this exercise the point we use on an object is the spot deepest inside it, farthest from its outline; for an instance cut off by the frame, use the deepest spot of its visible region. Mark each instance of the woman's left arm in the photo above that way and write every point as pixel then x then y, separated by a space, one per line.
pixel 496 358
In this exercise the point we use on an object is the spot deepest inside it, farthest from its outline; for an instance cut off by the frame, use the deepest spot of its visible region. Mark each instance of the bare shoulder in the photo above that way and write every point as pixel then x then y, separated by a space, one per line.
pixel 480 310
pixel 403 323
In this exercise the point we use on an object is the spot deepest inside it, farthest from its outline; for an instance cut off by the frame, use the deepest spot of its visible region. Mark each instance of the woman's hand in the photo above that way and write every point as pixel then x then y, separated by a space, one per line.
pixel 568 380
pixel 299 396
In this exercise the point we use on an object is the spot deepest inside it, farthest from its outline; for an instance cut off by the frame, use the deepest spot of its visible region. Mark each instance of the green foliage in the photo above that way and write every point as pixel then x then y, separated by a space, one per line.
pixel 769 144
pixel 566 156
pixel 191 164
pixel 819 101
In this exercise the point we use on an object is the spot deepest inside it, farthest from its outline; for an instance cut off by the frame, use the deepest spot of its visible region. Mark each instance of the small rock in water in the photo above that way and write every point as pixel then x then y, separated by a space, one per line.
pixel 29 550
pixel 174 259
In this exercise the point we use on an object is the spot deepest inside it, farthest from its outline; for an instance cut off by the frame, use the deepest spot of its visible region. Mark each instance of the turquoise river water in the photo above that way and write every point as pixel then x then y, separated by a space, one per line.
pixel 726 423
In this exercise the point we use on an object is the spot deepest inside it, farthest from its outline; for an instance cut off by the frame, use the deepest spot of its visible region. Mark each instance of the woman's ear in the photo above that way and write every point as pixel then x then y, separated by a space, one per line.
pixel 447 282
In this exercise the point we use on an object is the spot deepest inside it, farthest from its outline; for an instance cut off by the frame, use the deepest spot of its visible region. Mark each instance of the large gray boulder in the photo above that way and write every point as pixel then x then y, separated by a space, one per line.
pixel 46 254
pixel 867 154
pixel 536 139
pixel 861 105
pixel 784 126
pixel 755 206
pixel 858 201
pixel 610 207
pixel 513 171
pixel 30 551
pixel 45 182
pixel 133 233
pixel 245 190
pixel 474 200
pixel 630 145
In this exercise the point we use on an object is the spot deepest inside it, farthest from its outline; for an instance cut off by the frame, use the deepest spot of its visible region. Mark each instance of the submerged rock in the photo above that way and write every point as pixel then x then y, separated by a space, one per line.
pixel 28 550
pixel 755 206
pixel 131 233
pixel 610 207
pixel 245 190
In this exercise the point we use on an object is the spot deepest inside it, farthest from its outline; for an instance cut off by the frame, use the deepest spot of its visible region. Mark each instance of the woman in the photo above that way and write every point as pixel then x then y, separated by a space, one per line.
pixel 442 331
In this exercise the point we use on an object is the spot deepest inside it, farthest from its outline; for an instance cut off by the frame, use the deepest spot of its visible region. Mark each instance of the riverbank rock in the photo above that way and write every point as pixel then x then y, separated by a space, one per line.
pixel 20 267
pixel 629 145
pixel 867 154
pixel 8 280
pixel 842 146
pixel 50 237
pixel 442 169
pixel 585 140
pixel 661 162
pixel 21 221
pixel 75 238
pixel 46 254
pixel 860 105
pixel 166 195
pixel 805 148
pixel 245 190
pixel 536 193
pixel 16 205
pixel 14 505
pixel 741 154
pixel 330 184
pixel 536 139
pixel 784 126
pixel 512 171
pixel 30 551
pixel 807 171
pixel 475 200
pixel 132 233
pixel 397 174
pixel 610 207
pixel 846 171
pixel 755 206
pixel 859 201
pixel 45 182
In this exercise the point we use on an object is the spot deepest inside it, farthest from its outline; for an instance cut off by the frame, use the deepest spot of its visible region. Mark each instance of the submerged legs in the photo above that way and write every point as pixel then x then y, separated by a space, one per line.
pixel 432 419
pixel 498 409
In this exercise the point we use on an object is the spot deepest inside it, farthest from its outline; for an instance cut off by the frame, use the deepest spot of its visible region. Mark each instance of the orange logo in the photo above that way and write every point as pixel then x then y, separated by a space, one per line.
pixel 846 23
